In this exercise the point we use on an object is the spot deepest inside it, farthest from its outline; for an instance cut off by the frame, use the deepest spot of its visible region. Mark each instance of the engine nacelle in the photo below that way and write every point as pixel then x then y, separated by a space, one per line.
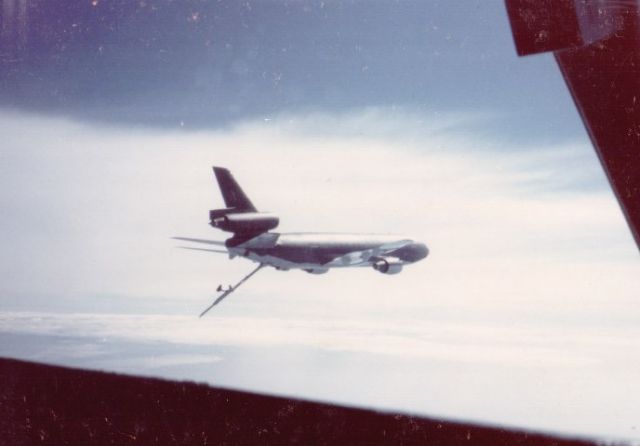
pixel 388 265
pixel 317 270
pixel 248 222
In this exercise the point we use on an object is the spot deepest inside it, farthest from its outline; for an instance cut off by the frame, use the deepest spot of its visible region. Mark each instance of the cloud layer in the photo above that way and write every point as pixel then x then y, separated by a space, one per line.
pixel 540 376
pixel 525 312
pixel 91 210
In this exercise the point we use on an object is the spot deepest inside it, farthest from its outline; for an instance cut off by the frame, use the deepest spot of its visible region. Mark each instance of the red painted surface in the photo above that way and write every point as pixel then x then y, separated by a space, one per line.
pixel 54 405
pixel 602 69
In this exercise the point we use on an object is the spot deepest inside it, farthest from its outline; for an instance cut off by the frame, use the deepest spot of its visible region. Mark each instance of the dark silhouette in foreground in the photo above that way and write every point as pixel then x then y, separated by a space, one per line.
pixel 597 48
pixel 41 404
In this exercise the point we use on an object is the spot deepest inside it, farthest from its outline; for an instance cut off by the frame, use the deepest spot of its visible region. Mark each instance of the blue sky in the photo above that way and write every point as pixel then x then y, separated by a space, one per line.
pixel 207 64
pixel 413 118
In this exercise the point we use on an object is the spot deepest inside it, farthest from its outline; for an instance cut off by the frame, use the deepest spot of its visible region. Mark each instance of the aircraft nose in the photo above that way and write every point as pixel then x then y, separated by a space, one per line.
pixel 421 250
pixel 414 252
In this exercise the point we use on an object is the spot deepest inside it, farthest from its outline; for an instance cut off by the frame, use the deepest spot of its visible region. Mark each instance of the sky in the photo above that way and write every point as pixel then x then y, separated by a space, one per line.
pixel 413 118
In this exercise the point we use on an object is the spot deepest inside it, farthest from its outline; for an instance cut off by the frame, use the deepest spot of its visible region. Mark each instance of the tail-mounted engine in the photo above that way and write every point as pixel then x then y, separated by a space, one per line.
pixel 243 223
pixel 387 265
pixel 240 215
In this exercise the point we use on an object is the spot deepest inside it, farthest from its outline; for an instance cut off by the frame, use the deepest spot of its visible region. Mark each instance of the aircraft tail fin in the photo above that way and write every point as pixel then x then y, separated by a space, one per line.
pixel 240 215
pixel 234 197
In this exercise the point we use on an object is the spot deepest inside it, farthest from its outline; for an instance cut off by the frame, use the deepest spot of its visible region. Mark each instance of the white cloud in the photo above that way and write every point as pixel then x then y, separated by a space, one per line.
pixel 522 346
pixel 152 363
pixel 532 267
pixel 558 377
pixel 91 209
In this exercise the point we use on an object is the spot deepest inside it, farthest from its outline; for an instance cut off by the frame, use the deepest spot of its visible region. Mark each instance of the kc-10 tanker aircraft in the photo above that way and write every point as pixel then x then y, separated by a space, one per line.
pixel 314 253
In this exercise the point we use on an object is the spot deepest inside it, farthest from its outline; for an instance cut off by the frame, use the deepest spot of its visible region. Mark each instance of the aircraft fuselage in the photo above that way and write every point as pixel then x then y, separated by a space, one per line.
pixel 317 252
pixel 314 253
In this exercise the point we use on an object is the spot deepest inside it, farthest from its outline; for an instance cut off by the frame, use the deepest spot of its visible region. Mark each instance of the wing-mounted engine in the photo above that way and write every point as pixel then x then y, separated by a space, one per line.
pixel 243 223
pixel 388 265
pixel 317 270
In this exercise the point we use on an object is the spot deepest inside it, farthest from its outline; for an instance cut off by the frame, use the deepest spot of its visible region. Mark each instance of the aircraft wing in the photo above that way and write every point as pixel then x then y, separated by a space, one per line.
pixel 199 240
pixel 204 249
pixel 364 256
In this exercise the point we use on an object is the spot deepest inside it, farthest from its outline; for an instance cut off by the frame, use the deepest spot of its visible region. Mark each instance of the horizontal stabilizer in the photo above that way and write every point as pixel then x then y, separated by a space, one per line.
pixel 199 240
pixel 203 249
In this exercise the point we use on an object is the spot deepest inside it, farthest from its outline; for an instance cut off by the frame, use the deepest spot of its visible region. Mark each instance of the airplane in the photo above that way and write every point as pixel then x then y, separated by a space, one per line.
pixel 315 253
